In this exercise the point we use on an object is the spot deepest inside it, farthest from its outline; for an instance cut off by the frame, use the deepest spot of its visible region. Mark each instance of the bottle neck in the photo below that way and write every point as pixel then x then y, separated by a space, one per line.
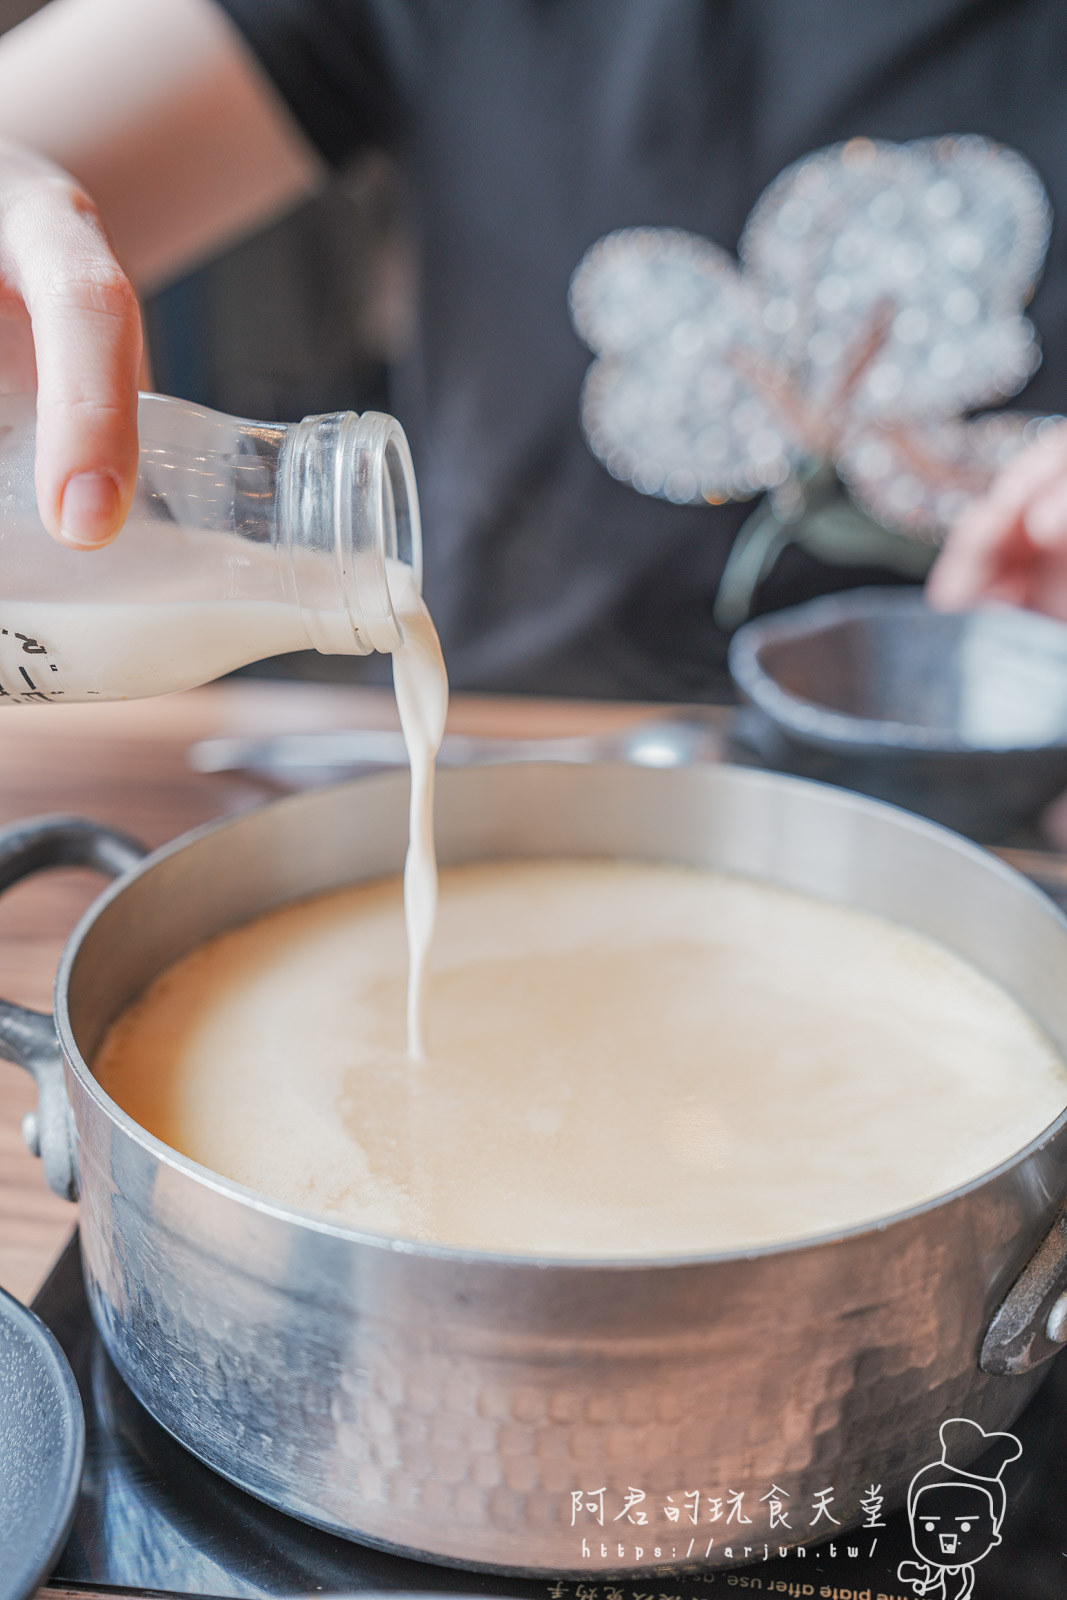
pixel 347 508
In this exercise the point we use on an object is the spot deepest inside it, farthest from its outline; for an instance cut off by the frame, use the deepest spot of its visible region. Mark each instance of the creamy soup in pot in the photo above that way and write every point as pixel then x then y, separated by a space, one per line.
pixel 622 1059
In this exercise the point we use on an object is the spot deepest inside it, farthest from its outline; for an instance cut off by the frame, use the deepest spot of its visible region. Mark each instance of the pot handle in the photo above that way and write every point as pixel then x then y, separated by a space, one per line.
pixel 29 1037
pixel 1030 1325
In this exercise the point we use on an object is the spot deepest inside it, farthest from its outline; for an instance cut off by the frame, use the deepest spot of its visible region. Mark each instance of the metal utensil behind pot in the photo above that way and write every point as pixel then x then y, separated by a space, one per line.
pixel 470 1408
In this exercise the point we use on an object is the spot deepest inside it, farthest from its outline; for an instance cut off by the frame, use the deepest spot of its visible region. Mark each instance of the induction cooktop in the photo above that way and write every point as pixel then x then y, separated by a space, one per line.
pixel 151 1516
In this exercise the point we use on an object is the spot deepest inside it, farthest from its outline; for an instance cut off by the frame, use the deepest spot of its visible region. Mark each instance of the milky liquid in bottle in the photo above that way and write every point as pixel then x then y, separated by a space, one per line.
pixel 60 651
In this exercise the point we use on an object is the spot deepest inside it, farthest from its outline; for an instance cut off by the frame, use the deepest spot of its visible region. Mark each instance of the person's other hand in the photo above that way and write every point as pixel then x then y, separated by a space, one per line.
pixel 70 327
pixel 1011 545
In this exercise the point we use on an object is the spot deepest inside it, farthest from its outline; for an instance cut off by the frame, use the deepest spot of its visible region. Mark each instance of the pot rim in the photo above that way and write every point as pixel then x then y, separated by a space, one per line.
pixel 396 1245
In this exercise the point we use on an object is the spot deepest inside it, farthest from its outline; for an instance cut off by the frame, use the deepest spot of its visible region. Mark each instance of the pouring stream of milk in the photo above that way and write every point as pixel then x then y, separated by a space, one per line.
pixel 133 647
pixel 421 685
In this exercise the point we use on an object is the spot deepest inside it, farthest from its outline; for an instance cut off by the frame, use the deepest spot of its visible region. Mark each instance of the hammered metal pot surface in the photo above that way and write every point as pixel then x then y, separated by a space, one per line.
pixel 472 1409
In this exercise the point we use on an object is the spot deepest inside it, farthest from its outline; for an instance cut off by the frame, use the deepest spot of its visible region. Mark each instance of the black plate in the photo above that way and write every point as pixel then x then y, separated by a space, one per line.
pixel 42 1447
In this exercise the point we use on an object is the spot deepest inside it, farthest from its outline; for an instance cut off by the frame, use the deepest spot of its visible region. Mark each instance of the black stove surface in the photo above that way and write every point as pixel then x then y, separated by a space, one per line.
pixel 152 1517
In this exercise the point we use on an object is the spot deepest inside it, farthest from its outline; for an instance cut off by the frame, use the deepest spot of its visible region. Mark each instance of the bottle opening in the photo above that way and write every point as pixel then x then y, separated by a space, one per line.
pixel 401 509
pixel 353 514
pixel 387 529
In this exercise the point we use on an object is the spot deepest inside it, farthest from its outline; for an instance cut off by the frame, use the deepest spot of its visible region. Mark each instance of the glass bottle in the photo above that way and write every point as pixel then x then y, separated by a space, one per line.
pixel 245 540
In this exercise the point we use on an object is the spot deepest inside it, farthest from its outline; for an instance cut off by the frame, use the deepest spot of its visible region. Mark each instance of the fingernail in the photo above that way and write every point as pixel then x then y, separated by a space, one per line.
pixel 90 511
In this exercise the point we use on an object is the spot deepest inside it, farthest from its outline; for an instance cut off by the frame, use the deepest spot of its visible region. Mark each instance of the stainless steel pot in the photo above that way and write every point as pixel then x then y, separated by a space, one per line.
pixel 490 1411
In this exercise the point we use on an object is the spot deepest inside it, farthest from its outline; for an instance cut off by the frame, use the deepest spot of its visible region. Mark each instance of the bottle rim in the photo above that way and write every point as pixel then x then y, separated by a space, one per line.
pixel 386 525
pixel 351 495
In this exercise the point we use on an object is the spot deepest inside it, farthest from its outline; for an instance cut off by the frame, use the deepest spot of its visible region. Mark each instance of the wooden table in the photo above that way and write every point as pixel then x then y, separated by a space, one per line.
pixel 125 764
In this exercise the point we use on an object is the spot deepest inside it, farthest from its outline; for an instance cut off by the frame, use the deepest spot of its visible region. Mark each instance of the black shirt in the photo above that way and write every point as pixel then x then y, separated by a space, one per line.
pixel 526 130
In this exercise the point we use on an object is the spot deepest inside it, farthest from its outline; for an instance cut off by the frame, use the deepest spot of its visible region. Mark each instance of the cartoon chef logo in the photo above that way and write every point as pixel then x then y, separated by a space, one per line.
pixel 955 1511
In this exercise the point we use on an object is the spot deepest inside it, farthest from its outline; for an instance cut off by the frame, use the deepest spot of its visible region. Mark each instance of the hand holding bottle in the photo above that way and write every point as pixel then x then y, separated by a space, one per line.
pixel 135 141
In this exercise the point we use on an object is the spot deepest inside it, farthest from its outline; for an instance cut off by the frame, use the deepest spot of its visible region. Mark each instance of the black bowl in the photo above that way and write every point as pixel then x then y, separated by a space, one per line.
pixel 962 718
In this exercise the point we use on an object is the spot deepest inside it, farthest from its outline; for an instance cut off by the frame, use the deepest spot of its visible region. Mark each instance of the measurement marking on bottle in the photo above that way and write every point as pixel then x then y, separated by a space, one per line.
pixel 55 669
pixel 22 697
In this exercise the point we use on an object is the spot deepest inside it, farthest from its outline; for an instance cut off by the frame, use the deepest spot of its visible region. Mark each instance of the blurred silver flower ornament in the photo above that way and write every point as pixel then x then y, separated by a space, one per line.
pixel 877 301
